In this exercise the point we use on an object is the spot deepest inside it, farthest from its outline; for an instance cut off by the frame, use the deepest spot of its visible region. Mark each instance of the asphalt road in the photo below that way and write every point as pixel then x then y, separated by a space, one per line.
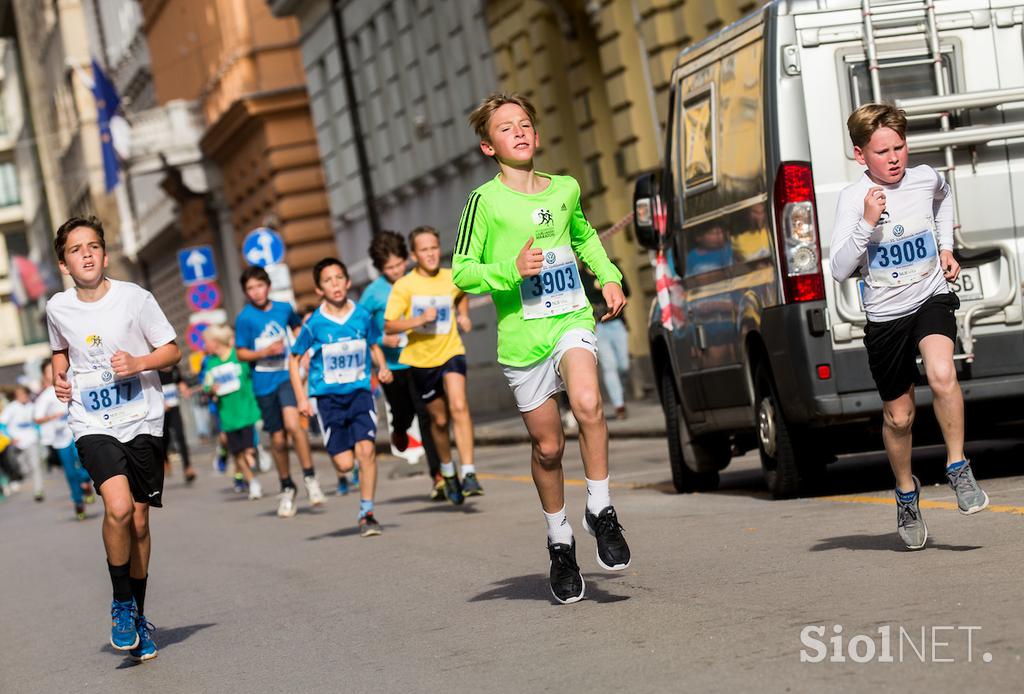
pixel 455 599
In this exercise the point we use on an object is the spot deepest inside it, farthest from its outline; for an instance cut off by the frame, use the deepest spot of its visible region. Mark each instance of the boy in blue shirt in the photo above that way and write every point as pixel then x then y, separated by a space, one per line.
pixel 262 337
pixel 344 338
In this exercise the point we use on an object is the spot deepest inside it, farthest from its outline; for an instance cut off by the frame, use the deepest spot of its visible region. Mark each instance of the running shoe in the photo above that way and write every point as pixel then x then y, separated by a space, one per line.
pixel 400 440
pixel 146 650
pixel 355 479
pixel 316 497
pixel 80 511
pixel 286 502
pixel 255 489
pixel 453 490
pixel 123 634
pixel 368 526
pixel 190 476
pixel 437 493
pixel 612 550
pixel 240 487
pixel 910 525
pixel 89 496
pixel 970 498
pixel 342 485
pixel 38 496
pixel 471 485
pixel 220 464
pixel 567 583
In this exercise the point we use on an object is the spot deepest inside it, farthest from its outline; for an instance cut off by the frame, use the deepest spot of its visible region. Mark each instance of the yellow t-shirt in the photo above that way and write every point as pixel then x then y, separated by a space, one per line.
pixel 434 343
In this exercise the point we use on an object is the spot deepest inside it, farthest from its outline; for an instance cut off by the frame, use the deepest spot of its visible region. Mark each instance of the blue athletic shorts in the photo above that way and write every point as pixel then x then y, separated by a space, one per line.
pixel 430 382
pixel 272 406
pixel 347 419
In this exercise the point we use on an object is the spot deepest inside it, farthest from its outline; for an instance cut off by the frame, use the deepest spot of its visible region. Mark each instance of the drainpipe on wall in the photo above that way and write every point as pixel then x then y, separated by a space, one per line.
pixel 357 127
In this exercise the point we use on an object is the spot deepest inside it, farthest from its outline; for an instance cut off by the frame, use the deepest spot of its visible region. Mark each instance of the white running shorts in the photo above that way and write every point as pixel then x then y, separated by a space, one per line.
pixel 532 385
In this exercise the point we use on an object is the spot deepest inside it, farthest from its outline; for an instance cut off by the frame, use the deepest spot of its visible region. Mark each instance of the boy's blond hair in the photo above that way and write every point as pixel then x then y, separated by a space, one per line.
pixel 221 333
pixel 481 115
pixel 869 118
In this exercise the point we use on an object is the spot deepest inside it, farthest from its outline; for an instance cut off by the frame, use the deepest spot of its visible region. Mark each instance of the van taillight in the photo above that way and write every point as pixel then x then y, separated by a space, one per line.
pixel 796 222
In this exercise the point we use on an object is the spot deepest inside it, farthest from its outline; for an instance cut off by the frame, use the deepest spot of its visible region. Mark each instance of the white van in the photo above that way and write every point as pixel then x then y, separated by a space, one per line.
pixel 766 348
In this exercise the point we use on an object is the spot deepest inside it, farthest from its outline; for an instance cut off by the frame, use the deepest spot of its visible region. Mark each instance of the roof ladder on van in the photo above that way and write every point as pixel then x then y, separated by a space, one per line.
pixel 947 138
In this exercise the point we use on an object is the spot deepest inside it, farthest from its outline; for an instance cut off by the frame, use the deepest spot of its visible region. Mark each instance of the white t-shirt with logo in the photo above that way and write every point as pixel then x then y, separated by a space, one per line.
pixel 127 319
pixel 55 433
pixel 895 260
pixel 19 418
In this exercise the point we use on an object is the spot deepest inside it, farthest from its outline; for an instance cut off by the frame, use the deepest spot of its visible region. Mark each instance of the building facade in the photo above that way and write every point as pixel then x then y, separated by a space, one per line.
pixel 242 68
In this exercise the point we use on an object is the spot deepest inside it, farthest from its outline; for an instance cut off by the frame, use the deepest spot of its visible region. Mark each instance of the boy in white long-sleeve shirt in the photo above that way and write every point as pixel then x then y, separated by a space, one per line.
pixel 894 228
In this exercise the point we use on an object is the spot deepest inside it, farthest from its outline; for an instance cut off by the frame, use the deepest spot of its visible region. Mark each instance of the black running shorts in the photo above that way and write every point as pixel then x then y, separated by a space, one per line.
pixel 430 382
pixel 141 460
pixel 241 440
pixel 893 345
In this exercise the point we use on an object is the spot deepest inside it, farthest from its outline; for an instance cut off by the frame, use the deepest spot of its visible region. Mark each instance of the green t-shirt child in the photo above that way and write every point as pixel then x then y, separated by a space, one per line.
pixel 236 403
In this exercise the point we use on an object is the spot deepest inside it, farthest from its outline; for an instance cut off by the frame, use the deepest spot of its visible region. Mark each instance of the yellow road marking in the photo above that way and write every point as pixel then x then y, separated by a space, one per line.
pixel 925 503
pixel 568 480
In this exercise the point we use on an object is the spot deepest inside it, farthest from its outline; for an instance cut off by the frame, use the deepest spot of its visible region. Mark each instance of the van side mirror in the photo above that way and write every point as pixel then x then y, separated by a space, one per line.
pixel 649 218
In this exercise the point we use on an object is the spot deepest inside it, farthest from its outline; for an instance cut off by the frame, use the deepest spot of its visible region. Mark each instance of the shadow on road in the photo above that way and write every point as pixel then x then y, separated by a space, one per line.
pixel 535 587
pixel 880 543
pixel 348 531
pixel 438 507
pixel 164 638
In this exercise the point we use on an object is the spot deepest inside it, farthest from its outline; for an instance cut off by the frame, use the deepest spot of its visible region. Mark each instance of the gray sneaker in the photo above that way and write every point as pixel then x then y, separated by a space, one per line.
pixel 969 496
pixel 909 523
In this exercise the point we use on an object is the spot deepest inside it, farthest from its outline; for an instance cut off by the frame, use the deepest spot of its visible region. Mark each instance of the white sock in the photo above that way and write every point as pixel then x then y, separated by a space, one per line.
pixel 448 469
pixel 559 530
pixel 598 498
pixel 467 470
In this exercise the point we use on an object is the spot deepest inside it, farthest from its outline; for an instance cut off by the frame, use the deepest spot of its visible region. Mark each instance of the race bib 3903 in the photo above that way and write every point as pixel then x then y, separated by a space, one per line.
pixel 557 289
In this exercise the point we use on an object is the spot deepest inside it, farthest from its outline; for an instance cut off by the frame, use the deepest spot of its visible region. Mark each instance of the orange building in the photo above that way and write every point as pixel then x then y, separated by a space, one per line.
pixel 243 67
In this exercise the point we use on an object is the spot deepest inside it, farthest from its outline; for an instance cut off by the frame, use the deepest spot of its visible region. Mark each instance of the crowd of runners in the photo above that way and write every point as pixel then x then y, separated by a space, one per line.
pixel 111 393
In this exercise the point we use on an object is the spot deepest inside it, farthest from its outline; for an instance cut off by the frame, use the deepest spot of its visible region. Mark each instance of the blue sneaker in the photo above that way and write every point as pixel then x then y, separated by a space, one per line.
pixel 343 485
pixel 146 650
pixel 123 635
pixel 240 486
pixel 355 479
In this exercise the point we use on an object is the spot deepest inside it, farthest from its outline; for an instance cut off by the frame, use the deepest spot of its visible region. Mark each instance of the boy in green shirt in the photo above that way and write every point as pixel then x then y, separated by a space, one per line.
pixel 518 240
pixel 230 382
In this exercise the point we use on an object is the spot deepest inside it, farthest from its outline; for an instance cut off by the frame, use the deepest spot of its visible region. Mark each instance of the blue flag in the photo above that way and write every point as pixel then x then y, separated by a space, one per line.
pixel 107 102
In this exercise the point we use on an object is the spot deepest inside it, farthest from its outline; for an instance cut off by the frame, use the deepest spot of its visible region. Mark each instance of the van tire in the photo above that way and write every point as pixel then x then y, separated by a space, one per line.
pixel 789 469
pixel 716 456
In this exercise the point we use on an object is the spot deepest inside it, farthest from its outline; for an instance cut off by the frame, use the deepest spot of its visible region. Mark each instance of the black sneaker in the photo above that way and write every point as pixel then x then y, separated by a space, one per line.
pixel 567 583
pixel 471 485
pixel 612 550
pixel 453 490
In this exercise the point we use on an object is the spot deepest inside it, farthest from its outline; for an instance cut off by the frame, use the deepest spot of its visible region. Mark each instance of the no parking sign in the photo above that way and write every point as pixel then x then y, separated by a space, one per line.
pixel 195 336
pixel 203 297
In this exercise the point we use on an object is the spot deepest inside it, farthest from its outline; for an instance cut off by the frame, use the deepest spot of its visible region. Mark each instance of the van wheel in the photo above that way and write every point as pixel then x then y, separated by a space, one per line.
pixel 788 467
pixel 707 458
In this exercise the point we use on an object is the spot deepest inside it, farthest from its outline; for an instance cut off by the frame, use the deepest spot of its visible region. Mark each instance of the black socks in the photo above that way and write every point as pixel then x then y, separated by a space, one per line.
pixel 311 472
pixel 119 578
pixel 286 483
pixel 139 593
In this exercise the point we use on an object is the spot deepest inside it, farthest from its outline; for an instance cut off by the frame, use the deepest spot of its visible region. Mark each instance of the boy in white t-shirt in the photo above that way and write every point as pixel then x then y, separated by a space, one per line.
pixel 108 339
pixel 21 427
pixel 894 228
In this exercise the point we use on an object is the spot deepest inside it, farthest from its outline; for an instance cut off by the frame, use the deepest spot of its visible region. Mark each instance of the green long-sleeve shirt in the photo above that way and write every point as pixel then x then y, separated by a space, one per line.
pixel 496 224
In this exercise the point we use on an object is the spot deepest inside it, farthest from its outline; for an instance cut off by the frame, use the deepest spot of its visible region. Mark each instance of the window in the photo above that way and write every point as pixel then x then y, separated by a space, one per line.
pixel 9 192
pixel 698 140
pixel 901 77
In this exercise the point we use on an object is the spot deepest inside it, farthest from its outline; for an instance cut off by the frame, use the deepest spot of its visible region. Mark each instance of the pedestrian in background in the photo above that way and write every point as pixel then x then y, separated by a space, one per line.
pixel 612 343
pixel 19 418
pixel 52 417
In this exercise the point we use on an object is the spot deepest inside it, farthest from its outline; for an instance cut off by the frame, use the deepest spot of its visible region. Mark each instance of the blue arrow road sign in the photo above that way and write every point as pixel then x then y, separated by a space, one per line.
pixel 263 246
pixel 196 265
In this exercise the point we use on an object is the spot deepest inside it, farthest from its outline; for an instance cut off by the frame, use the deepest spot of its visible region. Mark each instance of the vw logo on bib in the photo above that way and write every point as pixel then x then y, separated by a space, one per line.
pixel 898 230
pixel 550 257
pixel 106 376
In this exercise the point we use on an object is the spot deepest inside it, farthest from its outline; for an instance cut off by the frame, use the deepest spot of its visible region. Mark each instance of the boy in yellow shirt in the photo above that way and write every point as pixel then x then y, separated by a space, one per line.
pixel 427 304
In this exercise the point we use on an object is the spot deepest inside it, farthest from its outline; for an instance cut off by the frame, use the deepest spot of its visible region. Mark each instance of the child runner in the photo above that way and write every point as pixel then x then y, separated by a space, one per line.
pixel 20 420
pixel 263 335
pixel 518 238
pixel 228 380
pixel 894 228
pixel 52 417
pixel 390 257
pixel 108 339
pixel 425 302
pixel 343 338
